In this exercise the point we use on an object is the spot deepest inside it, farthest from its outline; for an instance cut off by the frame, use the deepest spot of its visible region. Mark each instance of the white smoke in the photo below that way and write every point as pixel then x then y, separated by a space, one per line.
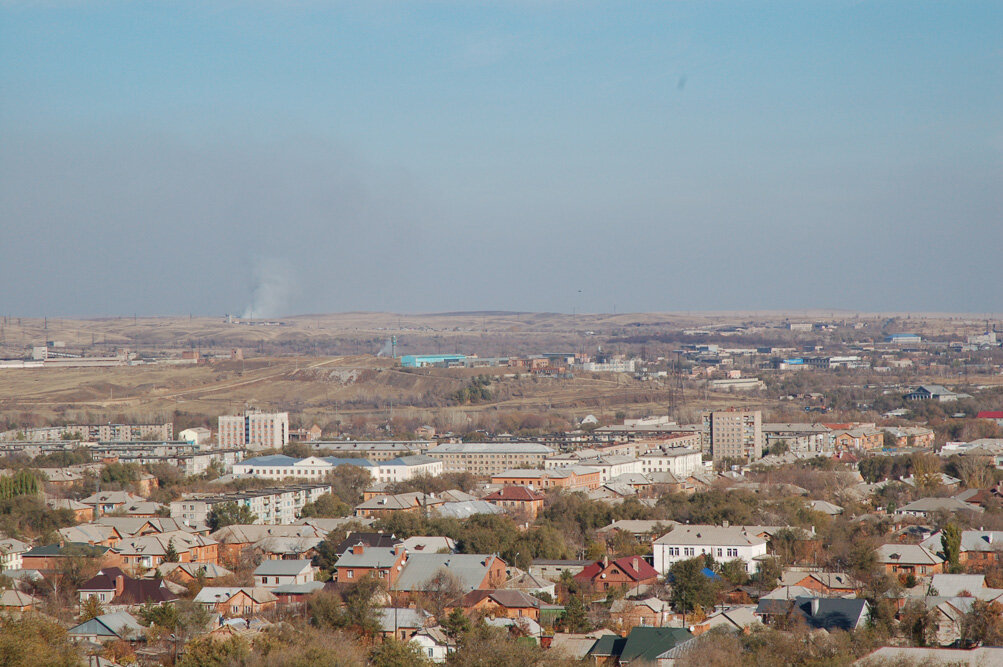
pixel 274 289
pixel 386 350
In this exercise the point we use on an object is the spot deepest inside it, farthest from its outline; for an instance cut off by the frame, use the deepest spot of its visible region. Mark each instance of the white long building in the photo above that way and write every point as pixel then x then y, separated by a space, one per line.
pixel 724 543
pixel 680 462
pixel 315 468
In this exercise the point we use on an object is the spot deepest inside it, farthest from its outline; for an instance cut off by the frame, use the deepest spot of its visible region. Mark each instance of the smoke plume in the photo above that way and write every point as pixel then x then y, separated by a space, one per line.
pixel 274 289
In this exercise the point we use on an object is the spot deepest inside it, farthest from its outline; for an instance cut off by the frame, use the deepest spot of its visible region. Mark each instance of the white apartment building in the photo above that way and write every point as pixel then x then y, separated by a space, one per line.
pixel 612 466
pixel 724 543
pixel 313 468
pixel 680 462
pixel 270 506
pixel 254 429
pixel 11 552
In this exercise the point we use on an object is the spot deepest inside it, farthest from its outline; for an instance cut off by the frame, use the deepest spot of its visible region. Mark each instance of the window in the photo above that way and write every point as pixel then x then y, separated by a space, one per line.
pixel 349 573
pixel 688 551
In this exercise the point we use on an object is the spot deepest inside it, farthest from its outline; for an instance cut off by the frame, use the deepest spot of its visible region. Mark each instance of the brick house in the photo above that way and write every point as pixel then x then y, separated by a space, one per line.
pixel 518 499
pixel 629 573
pixel 501 603
pixel 383 563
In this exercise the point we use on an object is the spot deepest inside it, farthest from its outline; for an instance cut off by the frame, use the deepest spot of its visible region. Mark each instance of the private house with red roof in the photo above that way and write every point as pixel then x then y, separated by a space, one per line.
pixel 995 415
pixel 630 573
pixel 518 500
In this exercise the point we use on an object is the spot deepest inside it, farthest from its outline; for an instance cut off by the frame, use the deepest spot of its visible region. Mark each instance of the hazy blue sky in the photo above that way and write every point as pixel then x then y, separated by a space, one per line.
pixel 317 157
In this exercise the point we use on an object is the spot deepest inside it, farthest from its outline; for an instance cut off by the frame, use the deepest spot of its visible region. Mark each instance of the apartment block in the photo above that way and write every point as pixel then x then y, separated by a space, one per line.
pixel 733 434
pixel 271 506
pixel 254 429
pixel 490 458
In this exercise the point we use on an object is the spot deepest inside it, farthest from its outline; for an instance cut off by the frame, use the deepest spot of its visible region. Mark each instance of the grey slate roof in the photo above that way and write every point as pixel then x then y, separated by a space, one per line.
pixel 282 568
pixel 469 569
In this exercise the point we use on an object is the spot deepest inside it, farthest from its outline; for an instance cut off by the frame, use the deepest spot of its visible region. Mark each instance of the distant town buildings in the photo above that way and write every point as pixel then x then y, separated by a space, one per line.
pixel 92 432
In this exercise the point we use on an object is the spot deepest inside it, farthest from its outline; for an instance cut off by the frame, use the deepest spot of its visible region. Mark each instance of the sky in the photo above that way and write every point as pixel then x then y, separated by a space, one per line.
pixel 277 158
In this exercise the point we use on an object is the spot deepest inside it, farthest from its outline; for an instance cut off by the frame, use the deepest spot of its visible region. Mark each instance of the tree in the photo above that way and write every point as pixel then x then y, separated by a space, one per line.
pixel 230 513
pixel 395 653
pixel 441 589
pixel 327 506
pixel 575 617
pixel 32 639
pixel 768 572
pixel 348 482
pixel 209 652
pixel 950 540
pixel 170 554
pixel 918 623
pixel 735 571
pixel 91 608
pixel 982 625
pixel 691 587
pixel 456 624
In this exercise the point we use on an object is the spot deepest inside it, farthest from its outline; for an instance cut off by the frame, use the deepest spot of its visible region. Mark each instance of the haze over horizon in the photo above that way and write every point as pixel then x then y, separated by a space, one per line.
pixel 276 158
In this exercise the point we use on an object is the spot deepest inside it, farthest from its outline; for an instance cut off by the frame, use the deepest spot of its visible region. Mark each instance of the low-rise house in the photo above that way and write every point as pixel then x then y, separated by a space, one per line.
pixel 112 586
pixel 272 573
pixel 465 509
pixel 89 533
pixel 924 507
pixel 531 584
pixel 185 573
pixel 819 613
pixel 825 507
pixel 738 619
pixel 236 601
pixel 551 570
pixel 16 601
pixel 643 530
pixel 401 623
pixel 235 539
pixel 499 603
pixel 631 573
pixel 119 625
pixel 151 550
pixel 642 646
pixel 519 500
pixel 106 502
pixel 296 594
pixel 650 613
pixel 724 543
pixel 435 645
pixel 978 547
pixel 12 553
pixel 827 583
pixel 81 512
pixel 905 559
pixel 50 558
pixel 430 544
pixel 471 571
pixel 360 561
pixel 381 507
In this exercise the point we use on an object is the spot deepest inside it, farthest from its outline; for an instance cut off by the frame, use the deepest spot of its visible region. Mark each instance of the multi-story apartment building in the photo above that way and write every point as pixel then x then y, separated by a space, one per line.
pixel 489 458
pixel 254 429
pixel 280 505
pixel 191 459
pixel 680 462
pixel 733 434
pixel 93 432
pixel 374 450
pixel 799 437
pixel 573 478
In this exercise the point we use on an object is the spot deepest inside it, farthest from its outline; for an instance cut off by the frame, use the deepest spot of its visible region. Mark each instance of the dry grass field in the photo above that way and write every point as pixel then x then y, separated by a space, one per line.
pixel 322 367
